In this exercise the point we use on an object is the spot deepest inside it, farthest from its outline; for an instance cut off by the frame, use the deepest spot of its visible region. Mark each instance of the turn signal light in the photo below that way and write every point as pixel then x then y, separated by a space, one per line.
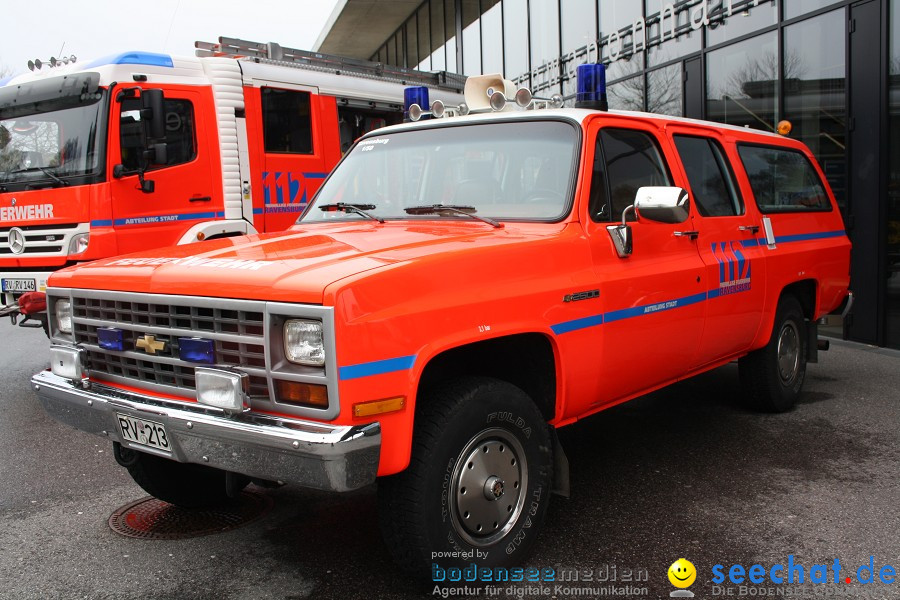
pixel 378 407
pixel 784 127
pixel 307 394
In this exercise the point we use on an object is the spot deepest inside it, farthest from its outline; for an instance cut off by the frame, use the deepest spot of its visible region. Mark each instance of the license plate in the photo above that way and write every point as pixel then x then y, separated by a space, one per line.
pixel 18 285
pixel 145 433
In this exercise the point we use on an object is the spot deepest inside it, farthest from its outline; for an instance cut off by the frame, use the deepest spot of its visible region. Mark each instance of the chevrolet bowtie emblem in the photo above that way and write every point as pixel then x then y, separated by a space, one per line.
pixel 150 345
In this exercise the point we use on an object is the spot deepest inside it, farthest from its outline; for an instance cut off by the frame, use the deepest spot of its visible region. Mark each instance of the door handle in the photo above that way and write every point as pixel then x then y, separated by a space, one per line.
pixel 200 199
pixel 691 234
pixel 750 228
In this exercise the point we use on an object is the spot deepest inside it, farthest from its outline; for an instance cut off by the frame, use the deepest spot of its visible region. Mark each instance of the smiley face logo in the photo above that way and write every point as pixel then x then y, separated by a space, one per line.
pixel 682 573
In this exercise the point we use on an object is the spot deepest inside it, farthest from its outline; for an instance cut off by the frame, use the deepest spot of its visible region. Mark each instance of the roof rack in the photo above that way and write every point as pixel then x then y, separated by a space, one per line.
pixel 275 53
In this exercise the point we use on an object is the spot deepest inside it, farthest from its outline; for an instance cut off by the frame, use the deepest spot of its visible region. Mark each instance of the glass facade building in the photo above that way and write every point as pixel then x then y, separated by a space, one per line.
pixel 831 67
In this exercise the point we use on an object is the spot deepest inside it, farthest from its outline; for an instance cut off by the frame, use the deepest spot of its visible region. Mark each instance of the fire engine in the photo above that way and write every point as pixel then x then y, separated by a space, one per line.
pixel 459 288
pixel 140 150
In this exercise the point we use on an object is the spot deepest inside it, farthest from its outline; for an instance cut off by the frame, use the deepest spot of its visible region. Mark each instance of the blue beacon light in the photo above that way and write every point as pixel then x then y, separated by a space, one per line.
pixel 197 350
pixel 591 90
pixel 414 95
pixel 110 338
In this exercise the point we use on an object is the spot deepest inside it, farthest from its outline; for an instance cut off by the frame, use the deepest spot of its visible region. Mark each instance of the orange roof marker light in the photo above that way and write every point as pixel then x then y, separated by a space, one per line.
pixel 784 127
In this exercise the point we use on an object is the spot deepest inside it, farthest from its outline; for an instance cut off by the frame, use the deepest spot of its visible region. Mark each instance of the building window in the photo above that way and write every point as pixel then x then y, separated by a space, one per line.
pixel 515 38
pixel 742 83
pixel 471 37
pixel 287 125
pixel 438 60
pixel 492 37
pixel 795 8
pixel 664 91
pixel 544 32
pixel 815 99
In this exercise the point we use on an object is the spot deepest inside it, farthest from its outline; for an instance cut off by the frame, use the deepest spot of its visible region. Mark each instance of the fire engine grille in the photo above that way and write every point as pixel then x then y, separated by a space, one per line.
pixel 238 335
pixel 40 239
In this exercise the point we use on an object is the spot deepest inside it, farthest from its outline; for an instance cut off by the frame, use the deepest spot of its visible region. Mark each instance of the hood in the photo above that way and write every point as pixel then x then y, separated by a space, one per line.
pixel 293 266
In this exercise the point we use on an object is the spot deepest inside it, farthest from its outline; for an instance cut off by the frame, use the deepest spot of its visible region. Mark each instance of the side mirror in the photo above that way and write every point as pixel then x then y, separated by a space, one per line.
pixel 662 204
pixel 653 203
pixel 153 115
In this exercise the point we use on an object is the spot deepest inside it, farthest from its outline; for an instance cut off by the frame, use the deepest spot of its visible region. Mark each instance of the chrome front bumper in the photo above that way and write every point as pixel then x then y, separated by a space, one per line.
pixel 315 455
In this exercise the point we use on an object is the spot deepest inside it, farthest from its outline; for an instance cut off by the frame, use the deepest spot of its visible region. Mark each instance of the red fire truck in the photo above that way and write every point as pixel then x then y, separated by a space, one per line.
pixel 140 150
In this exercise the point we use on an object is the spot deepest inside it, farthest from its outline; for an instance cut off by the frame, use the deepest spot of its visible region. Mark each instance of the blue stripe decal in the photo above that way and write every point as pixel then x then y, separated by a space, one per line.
pixel 379 367
pixel 713 293
pixel 751 243
pixel 315 175
pixel 151 219
pixel 257 211
pixel 721 264
pixel 102 223
pixel 803 237
pixel 576 324
pixel 740 258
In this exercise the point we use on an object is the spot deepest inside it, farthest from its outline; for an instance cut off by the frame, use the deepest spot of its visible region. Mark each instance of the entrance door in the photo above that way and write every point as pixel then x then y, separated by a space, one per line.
pixel 693 88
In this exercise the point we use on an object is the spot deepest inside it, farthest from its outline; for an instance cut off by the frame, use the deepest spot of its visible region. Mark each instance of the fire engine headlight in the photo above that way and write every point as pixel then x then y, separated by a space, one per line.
pixel 304 343
pixel 79 243
pixel 64 316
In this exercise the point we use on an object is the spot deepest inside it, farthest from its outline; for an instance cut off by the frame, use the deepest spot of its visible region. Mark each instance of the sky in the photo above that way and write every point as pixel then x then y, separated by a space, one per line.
pixel 95 28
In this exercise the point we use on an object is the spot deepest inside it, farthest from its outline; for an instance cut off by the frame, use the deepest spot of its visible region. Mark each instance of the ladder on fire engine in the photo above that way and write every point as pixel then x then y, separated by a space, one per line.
pixel 276 54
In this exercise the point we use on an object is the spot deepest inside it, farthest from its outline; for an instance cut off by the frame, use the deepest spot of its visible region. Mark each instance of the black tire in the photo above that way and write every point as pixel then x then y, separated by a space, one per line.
pixel 182 484
pixel 772 377
pixel 474 433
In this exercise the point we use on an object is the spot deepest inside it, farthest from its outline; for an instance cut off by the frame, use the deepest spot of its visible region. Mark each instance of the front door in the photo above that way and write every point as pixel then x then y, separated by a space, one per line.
pixel 654 300
pixel 185 191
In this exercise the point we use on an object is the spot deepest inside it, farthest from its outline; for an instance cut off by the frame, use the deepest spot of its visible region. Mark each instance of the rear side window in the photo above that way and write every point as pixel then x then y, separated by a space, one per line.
pixel 712 182
pixel 287 123
pixel 625 160
pixel 783 180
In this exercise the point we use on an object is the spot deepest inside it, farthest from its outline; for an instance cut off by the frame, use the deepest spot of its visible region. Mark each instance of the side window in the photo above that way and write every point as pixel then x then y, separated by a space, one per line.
pixel 180 132
pixel 625 160
pixel 287 123
pixel 783 180
pixel 710 177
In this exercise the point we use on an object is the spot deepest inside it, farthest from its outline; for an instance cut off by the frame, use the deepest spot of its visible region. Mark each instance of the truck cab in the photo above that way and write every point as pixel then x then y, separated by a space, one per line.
pixel 458 289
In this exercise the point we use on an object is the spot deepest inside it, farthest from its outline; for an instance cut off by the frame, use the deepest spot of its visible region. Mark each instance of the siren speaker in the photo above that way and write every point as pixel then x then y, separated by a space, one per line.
pixel 479 89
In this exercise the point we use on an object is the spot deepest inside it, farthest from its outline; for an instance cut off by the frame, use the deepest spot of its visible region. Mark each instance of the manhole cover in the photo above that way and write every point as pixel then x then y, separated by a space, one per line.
pixel 154 519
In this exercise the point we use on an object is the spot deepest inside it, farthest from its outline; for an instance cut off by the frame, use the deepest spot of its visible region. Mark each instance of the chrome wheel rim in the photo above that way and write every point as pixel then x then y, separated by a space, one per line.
pixel 788 353
pixel 487 487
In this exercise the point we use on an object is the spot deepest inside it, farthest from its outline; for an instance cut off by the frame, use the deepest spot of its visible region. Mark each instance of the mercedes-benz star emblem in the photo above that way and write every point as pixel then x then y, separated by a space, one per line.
pixel 16 240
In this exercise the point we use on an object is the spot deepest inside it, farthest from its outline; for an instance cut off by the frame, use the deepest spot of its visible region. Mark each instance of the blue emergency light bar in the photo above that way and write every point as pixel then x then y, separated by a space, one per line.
pixel 197 350
pixel 591 87
pixel 415 95
pixel 110 338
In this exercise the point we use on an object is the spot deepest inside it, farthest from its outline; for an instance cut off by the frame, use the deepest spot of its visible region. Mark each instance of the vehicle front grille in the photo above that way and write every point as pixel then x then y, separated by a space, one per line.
pixel 236 328
pixel 42 239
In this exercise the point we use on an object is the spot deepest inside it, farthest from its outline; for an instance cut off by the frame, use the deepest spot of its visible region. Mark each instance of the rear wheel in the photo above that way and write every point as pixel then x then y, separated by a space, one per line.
pixel 182 484
pixel 478 483
pixel 772 377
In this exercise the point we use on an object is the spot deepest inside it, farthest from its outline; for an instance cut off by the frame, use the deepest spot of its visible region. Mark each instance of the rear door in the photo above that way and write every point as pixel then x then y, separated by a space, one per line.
pixel 728 243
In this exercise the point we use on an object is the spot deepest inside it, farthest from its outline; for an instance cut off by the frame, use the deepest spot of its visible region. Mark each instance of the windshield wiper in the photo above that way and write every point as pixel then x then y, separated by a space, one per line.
pixel 43 170
pixel 457 209
pixel 359 209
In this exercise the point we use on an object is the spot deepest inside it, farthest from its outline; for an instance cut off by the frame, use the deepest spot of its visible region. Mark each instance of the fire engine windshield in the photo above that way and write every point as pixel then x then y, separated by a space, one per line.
pixel 516 170
pixel 50 130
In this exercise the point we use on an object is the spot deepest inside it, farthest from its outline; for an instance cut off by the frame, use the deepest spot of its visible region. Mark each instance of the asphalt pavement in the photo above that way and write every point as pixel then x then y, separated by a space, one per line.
pixel 684 472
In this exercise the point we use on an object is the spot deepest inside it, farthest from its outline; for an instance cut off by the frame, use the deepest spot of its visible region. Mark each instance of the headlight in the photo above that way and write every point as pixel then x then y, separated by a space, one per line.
pixel 303 342
pixel 64 316
pixel 79 243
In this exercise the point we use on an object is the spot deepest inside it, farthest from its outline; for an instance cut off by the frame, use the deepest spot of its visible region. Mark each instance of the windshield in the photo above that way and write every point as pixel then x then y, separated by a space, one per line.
pixel 517 170
pixel 49 136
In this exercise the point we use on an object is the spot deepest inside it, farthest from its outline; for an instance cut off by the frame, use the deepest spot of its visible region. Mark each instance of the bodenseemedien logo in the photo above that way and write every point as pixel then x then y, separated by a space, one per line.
pixel 682 574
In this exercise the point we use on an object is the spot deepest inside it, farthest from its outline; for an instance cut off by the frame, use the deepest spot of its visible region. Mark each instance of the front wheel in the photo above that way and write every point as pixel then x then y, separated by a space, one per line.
pixel 772 377
pixel 478 483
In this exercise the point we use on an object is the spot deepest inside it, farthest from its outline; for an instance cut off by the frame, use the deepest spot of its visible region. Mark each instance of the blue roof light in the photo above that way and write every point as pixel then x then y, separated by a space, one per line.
pixel 150 59
pixel 591 91
pixel 414 95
